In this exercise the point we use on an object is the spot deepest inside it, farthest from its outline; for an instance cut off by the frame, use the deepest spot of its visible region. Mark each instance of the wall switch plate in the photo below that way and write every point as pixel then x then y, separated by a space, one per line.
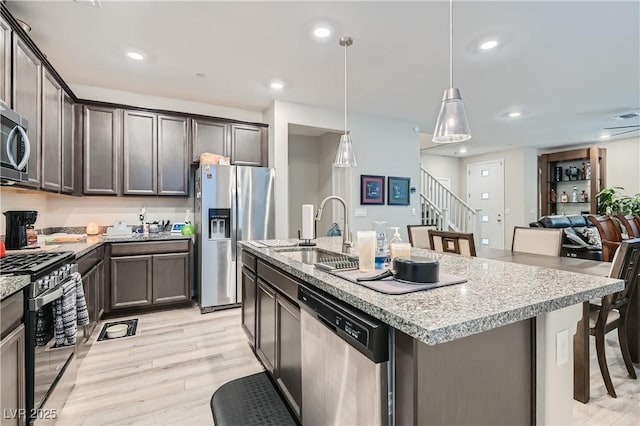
pixel 562 347
pixel 413 211
pixel 507 211
pixel 361 212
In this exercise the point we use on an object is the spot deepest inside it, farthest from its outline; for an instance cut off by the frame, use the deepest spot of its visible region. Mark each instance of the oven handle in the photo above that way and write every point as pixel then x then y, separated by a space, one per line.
pixel 27 147
pixel 45 298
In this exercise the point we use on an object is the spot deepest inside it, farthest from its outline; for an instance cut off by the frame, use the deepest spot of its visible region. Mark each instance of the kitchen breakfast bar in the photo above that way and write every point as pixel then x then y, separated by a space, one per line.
pixel 496 349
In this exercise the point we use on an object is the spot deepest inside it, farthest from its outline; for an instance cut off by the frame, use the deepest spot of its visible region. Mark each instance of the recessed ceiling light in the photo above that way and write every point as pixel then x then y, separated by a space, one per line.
pixel 462 150
pixel 605 136
pixel 321 32
pixel 489 44
pixel 276 85
pixel 514 114
pixel 201 75
pixel 137 56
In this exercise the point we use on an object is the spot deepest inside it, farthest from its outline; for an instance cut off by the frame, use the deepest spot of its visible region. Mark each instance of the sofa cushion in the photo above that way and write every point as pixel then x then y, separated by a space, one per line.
pixel 578 220
pixel 592 236
pixel 571 235
pixel 558 221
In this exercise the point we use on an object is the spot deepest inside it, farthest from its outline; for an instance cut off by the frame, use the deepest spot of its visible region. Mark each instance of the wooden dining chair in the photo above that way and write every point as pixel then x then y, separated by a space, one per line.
pixel 612 313
pixel 452 242
pixel 609 235
pixel 547 241
pixel 631 223
pixel 419 235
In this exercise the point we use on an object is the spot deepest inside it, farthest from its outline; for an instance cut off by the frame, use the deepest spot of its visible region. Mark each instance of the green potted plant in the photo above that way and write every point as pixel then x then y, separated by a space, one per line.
pixel 609 200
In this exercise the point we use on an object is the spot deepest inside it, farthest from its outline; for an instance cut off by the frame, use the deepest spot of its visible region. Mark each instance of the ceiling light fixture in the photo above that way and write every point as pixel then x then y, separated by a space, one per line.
pixel 452 125
pixel 488 45
pixel 321 32
pixel 276 85
pixel 515 114
pixel 137 56
pixel 462 150
pixel 605 136
pixel 345 156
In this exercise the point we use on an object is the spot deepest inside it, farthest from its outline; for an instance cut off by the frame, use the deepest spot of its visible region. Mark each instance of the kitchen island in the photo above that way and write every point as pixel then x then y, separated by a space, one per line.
pixel 478 352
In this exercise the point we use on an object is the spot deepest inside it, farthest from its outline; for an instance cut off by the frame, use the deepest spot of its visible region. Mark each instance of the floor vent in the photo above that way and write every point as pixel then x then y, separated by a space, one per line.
pixel 132 325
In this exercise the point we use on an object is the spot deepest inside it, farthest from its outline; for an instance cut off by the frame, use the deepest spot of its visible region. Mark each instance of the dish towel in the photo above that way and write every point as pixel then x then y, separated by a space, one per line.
pixel 81 302
pixel 69 311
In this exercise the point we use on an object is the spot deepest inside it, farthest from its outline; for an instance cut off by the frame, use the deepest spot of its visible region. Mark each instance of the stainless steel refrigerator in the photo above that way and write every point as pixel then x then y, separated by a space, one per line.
pixel 232 203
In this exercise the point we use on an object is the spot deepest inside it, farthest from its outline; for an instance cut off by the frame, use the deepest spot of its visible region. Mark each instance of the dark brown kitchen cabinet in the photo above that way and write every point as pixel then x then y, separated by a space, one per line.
pixel 131 281
pixel 5 62
pixel 93 286
pixel 173 156
pixel 266 325
pixel 27 100
pixel 101 150
pixel 209 136
pixel 51 133
pixel 68 145
pixel 249 305
pixel 140 131
pixel 288 352
pixel 248 145
pixel 13 390
pixel 171 278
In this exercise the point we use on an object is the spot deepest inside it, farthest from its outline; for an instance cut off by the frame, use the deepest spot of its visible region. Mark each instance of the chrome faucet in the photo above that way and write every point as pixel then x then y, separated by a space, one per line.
pixel 346 234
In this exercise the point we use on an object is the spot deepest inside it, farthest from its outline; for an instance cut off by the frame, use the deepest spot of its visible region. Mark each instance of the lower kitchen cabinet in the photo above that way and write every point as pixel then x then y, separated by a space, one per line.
pixel 288 352
pixel 249 289
pixel 170 278
pixel 266 325
pixel 13 377
pixel 131 281
pixel 91 268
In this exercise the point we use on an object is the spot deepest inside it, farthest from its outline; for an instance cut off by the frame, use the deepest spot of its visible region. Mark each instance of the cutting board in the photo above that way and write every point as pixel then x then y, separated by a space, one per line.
pixel 41 248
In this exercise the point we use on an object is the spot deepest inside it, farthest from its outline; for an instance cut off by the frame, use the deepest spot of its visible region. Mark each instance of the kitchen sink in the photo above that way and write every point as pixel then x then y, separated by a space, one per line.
pixel 313 255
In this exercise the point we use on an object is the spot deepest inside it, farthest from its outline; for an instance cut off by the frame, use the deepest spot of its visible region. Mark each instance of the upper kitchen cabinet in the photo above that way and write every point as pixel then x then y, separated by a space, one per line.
pixel 173 156
pixel 101 150
pixel 209 136
pixel 68 145
pixel 140 131
pixel 51 133
pixel 27 101
pixel 248 145
pixel 5 62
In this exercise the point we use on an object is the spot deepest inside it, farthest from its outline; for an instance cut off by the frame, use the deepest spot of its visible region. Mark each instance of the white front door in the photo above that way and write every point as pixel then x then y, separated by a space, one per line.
pixel 485 191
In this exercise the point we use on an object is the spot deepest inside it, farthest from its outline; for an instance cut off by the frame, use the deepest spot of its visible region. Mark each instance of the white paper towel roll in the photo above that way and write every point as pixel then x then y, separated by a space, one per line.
pixel 307 222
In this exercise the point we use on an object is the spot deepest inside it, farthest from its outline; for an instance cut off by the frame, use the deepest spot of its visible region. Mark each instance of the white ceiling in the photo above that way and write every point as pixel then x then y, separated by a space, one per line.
pixel 567 66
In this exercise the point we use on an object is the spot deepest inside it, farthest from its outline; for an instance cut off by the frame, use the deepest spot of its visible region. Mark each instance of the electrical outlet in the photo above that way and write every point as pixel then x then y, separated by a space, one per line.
pixel 413 211
pixel 507 211
pixel 562 347
pixel 361 212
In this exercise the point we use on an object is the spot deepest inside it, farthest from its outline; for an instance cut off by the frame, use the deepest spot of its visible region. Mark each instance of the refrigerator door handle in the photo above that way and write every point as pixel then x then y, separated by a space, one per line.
pixel 234 212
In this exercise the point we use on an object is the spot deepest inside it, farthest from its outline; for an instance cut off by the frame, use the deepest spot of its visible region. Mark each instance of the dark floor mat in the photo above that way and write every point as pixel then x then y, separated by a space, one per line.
pixel 250 401
pixel 132 325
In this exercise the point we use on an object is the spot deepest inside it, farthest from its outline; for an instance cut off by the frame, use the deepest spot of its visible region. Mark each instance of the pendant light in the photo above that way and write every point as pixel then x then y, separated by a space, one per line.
pixel 452 125
pixel 345 156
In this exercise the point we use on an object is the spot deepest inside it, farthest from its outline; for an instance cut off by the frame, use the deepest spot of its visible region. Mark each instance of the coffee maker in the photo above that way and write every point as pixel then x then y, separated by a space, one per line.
pixel 16 229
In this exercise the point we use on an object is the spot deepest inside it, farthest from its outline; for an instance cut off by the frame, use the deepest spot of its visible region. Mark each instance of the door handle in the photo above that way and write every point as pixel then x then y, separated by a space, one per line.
pixel 27 147
pixel 45 298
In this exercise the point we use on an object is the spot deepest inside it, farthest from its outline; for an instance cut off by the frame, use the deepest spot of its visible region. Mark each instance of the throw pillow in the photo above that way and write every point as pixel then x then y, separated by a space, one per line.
pixel 575 239
pixel 593 236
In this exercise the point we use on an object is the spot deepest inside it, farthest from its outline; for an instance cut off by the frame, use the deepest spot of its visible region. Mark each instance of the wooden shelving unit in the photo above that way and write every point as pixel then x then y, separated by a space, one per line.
pixel 592 157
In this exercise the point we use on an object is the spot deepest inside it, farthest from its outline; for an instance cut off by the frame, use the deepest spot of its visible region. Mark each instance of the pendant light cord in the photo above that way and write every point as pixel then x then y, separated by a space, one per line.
pixel 345 89
pixel 451 43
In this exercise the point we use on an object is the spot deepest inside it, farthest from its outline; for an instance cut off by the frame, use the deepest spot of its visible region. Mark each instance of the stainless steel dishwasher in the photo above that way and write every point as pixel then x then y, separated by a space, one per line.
pixel 344 363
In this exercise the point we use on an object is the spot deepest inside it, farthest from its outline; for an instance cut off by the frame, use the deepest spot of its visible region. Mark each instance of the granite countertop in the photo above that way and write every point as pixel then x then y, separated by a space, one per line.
pixel 12 284
pixel 496 293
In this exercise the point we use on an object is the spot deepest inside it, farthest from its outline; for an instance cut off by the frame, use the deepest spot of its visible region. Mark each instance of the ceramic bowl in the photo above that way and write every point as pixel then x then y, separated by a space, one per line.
pixel 118 330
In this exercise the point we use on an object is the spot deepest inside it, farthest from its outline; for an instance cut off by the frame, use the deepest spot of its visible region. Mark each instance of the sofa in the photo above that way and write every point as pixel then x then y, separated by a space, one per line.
pixel 581 238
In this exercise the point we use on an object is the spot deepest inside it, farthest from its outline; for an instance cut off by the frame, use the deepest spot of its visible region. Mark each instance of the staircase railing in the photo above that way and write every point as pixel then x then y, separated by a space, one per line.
pixel 443 208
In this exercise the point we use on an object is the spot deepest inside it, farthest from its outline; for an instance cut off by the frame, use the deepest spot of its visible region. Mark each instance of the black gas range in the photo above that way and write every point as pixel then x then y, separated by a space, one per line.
pixel 46 269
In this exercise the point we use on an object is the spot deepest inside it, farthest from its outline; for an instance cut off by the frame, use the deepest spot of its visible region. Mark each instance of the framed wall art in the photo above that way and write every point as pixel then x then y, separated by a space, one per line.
pixel 398 188
pixel 371 189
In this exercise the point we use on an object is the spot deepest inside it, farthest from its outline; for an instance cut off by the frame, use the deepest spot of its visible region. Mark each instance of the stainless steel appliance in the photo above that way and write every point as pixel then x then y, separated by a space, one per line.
pixel 345 363
pixel 232 203
pixel 17 222
pixel 14 147
pixel 45 363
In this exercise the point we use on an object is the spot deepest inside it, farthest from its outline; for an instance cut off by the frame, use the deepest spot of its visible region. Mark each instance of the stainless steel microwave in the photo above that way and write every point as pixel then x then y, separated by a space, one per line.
pixel 14 147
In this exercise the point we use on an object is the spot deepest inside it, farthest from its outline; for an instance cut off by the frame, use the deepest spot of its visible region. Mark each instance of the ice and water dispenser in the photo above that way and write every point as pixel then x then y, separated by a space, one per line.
pixel 219 224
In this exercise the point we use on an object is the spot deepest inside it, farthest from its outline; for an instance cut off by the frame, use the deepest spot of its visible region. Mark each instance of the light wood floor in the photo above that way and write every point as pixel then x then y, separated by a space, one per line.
pixel 167 372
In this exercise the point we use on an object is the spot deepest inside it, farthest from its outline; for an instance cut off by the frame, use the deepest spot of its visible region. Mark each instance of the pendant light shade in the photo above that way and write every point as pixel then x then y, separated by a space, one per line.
pixel 345 156
pixel 452 125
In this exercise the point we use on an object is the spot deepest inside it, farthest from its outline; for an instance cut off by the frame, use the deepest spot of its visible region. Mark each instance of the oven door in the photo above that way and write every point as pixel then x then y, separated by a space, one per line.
pixel 45 361
pixel 14 146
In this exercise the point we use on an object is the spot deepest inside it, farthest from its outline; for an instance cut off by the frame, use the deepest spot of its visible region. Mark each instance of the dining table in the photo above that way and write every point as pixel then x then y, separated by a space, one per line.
pixel 581 389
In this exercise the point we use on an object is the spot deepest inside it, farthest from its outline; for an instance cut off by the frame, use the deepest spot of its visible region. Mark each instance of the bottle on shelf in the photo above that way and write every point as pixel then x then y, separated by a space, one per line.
pixel 583 196
pixel 587 173
pixel 564 198
pixel 574 195
pixel 583 172
pixel 553 197
pixel 586 196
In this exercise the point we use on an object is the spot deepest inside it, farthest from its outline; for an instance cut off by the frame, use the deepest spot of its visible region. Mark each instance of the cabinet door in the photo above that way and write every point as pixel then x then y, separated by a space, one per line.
pixel 51 132
pixel 139 153
pixel 249 305
pixel 173 156
pixel 99 286
pixel 266 325
pixel 131 281
pixel 27 101
pixel 89 287
pixel 101 150
pixel 209 136
pixel 289 358
pixel 13 390
pixel 5 62
pixel 171 278
pixel 68 149
pixel 247 145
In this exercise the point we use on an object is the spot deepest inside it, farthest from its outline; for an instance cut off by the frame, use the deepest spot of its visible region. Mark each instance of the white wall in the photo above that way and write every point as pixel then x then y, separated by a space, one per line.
pixel 327 178
pixel 382 147
pixel 157 102
pixel 303 164
pixel 520 186
pixel 441 166
pixel 64 210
